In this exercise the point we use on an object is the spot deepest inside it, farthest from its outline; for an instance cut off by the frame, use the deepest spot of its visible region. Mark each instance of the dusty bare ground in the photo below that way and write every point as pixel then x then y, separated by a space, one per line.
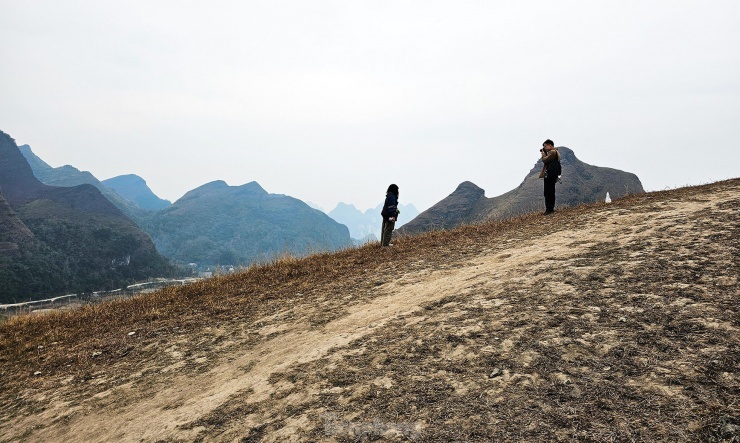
pixel 612 322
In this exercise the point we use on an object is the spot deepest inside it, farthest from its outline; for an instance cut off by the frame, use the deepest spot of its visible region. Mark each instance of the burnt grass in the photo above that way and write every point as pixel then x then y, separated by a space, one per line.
pixel 641 344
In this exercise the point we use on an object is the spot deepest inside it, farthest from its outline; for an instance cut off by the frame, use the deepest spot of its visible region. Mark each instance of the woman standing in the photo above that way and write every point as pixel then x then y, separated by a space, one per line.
pixel 390 214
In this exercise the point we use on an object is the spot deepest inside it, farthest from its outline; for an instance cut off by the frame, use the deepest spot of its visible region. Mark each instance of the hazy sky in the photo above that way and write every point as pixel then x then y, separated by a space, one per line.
pixel 331 101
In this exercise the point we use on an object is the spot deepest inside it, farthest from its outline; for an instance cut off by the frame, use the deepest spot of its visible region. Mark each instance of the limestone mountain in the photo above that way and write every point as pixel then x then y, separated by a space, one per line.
pixel 67 176
pixel 581 183
pixel 134 188
pixel 83 242
pixel 452 211
pixel 205 238
pixel 361 225
pixel 366 225
pixel 237 225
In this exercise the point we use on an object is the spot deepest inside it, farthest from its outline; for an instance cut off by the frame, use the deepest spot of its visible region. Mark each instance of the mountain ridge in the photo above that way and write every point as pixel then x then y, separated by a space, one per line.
pixel 81 241
pixel 69 176
pixel 205 227
pixel 220 224
pixel 135 189
pixel 581 183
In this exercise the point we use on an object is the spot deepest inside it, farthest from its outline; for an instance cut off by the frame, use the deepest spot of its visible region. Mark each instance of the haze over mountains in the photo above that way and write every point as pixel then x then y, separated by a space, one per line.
pixel 66 176
pixel 134 188
pixel 78 230
pixel 581 183
pixel 215 224
pixel 365 226
pixel 221 224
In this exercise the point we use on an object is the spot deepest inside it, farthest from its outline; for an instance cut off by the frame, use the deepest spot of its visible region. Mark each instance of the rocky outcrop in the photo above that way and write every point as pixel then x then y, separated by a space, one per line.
pixel 581 183
pixel 452 211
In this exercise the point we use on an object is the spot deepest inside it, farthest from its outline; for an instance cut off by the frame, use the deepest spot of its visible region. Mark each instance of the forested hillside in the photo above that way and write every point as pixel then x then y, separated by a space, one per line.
pixel 79 242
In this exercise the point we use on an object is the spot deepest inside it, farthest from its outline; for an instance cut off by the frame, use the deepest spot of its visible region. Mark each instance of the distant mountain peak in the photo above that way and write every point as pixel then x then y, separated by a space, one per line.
pixel 468 190
pixel 566 152
pixel 217 223
pixel 134 188
pixel 216 184
pixel 17 181
pixel 131 178
pixel 204 189
pixel 253 187
pixel 219 187
pixel 33 160
pixel 68 176
pixel 366 224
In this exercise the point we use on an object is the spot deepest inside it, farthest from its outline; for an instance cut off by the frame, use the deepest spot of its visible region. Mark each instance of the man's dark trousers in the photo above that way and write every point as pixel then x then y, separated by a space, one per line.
pixel 550 194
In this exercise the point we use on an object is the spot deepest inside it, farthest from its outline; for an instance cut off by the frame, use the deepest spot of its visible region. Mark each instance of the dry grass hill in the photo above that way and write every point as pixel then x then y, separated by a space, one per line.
pixel 606 322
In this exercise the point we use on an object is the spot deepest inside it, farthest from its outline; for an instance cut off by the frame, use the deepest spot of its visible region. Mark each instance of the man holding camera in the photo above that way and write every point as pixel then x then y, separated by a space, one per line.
pixel 550 172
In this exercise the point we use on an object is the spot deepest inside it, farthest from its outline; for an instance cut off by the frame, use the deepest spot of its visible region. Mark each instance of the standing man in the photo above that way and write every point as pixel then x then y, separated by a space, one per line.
pixel 390 213
pixel 550 172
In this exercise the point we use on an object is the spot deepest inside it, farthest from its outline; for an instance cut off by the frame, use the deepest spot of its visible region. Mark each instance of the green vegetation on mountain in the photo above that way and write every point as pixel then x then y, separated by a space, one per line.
pixel 237 225
pixel 64 239
pixel 13 232
pixel 214 224
pixel 25 264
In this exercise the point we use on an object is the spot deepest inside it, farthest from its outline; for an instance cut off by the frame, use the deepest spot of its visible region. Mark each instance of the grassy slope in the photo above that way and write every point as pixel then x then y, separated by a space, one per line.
pixel 614 322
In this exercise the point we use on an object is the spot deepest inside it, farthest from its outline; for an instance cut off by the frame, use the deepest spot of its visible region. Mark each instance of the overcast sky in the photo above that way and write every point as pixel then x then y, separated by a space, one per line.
pixel 331 101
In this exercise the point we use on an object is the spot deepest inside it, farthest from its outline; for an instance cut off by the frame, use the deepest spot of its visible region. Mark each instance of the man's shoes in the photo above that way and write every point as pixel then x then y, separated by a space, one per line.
pixel 548 212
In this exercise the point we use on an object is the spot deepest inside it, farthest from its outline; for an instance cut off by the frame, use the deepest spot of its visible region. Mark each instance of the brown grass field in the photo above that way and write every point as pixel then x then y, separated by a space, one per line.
pixel 605 322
